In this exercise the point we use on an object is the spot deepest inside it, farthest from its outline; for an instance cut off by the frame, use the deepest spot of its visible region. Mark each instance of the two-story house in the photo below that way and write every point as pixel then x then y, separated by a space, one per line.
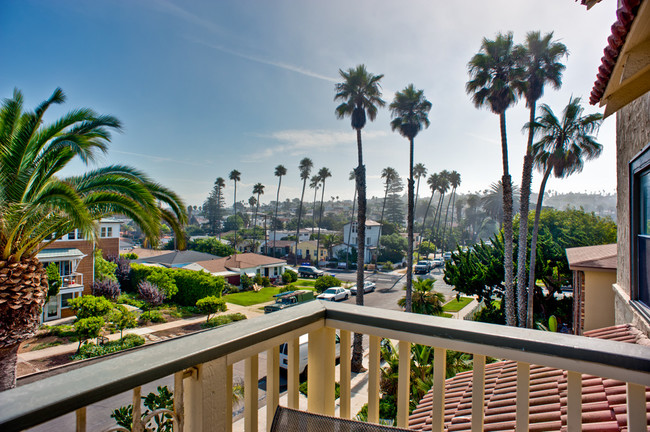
pixel 373 232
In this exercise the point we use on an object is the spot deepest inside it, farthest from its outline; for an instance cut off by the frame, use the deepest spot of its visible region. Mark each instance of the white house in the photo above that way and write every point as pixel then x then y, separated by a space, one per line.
pixel 373 232
pixel 283 235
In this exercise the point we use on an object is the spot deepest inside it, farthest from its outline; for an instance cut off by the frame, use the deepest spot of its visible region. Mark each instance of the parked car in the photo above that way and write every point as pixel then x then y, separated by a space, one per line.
pixel 446 256
pixel 304 354
pixel 334 294
pixel 367 287
pixel 288 299
pixel 438 262
pixel 422 267
pixel 310 271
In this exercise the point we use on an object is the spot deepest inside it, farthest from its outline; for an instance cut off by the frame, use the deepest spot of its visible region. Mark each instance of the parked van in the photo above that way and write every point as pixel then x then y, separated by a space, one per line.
pixel 304 354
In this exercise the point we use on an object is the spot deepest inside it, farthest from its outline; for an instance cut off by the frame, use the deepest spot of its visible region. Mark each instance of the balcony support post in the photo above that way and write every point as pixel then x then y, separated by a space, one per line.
pixel 478 393
pixel 439 377
pixel 636 407
pixel 81 419
pixel 574 402
pixel 320 371
pixel 345 374
pixel 206 395
pixel 137 410
pixel 403 383
pixel 293 373
pixel 272 384
pixel 250 393
pixel 523 394
pixel 373 379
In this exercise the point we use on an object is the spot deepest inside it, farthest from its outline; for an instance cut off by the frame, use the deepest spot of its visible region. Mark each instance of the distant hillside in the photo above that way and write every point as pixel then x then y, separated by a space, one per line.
pixel 601 204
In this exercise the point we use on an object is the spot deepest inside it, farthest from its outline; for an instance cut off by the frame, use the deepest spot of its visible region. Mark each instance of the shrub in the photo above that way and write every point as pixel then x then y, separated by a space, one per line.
pixel 246 282
pixel 303 388
pixel 150 293
pixel 123 271
pixel 91 350
pixel 106 288
pixel 104 269
pixel 257 279
pixel 130 300
pixel 88 328
pixel 324 282
pixel 229 289
pixel 289 276
pixel 129 256
pixel 164 282
pixel 387 411
pixel 388 266
pixel 90 306
pixel 211 305
pixel 54 281
pixel 122 318
pixel 224 319
pixel 163 400
pixel 61 330
pixel 266 282
pixel 152 316
pixel 285 288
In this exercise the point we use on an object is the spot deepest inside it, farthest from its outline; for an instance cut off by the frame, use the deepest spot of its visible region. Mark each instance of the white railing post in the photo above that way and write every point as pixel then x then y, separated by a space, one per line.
pixel 345 374
pixel 179 410
pixel 272 384
pixel 478 393
pixel 574 401
pixel 137 410
pixel 206 396
pixel 439 377
pixel 403 383
pixel 636 407
pixel 320 371
pixel 523 395
pixel 373 379
pixel 293 373
pixel 250 393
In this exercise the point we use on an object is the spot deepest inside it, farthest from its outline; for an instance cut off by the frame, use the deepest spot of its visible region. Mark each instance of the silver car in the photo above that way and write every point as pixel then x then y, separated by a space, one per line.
pixel 367 287
pixel 334 294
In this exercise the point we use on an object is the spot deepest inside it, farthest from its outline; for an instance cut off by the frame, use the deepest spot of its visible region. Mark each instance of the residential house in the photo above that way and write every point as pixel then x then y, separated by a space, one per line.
pixel 233 266
pixel 278 248
pixel 307 250
pixel 176 258
pixel 73 255
pixel 284 235
pixel 373 232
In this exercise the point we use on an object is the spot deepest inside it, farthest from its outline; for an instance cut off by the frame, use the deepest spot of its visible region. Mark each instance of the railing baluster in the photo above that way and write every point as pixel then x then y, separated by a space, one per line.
pixel 81 419
pixel 373 379
pixel 636 407
pixel 230 393
pixel 137 410
pixel 293 373
pixel 250 393
pixel 320 371
pixel 478 393
pixel 523 395
pixel 345 374
pixel 403 383
pixel 574 402
pixel 272 384
pixel 206 396
pixel 178 401
pixel 439 376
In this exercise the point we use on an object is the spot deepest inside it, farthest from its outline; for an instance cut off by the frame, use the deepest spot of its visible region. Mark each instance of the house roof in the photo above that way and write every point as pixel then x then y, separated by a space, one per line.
pixel 178 257
pixel 603 400
pixel 280 243
pixel 51 254
pixel 146 253
pixel 239 261
pixel 597 257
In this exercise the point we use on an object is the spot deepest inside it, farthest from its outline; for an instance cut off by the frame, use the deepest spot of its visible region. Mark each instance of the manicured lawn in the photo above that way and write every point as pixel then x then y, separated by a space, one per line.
pixel 455 305
pixel 305 282
pixel 249 298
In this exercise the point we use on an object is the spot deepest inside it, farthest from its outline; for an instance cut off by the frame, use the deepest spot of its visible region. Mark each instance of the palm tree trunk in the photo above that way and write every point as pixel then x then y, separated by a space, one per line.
pixel 415 204
pixel 219 209
pixel 409 230
pixel 526 179
pixel 424 221
pixel 320 217
pixel 277 201
pixel 347 252
pixel 453 210
pixel 234 206
pixel 302 197
pixel 257 208
pixel 444 227
pixel 313 212
pixel 436 219
pixel 360 172
pixel 511 315
pixel 533 249
pixel 381 222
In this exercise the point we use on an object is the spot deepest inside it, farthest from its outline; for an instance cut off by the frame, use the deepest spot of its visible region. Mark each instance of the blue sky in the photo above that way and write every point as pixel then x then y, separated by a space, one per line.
pixel 204 87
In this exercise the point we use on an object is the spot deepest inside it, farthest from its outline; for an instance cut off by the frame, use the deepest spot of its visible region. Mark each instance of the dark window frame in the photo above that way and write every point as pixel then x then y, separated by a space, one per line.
pixel 638 166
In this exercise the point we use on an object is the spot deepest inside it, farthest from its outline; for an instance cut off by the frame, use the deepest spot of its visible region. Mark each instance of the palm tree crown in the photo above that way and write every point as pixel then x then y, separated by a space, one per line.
pixel 280 171
pixel 360 92
pixel 410 111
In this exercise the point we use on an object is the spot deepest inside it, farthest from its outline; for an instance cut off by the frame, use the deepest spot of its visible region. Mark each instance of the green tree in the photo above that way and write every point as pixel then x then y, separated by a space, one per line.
pixel 410 110
pixel 495 82
pixel 54 280
pixel 425 300
pixel 564 146
pixel 122 318
pixel 304 168
pixel 394 248
pixel 443 187
pixel 327 281
pixel 360 96
pixel 323 174
pixel 90 306
pixel 211 305
pixel 210 245
pixel 235 176
pixel 454 182
pixel 314 184
pixel 280 171
pixel 540 58
pixel 391 177
pixel 434 183
pixel 104 269
pixel 419 171
pixel 88 328
pixel 258 189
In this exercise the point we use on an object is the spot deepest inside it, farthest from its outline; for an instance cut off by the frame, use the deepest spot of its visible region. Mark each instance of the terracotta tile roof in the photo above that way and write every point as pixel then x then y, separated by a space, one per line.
pixel 625 16
pixel 599 257
pixel 239 261
pixel 603 400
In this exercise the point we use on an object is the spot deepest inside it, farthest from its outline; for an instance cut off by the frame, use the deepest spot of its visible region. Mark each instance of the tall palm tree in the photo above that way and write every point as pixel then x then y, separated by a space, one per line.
pixel 323 174
pixel 540 58
pixel 454 181
pixel 252 201
pixel 419 171
pixel 38 204
pixel 304 167
pixel 314 184
pixel 495 82
pixel 434 183
pixel 280 171
pixel 492 201
pixel 360 96
pixel 219 183
pixel 390 175
pixel 443 187
pixel 235 176
pixel 564 146
pixel 425 300
pixel 354 202
pixel 258 189
pixel 410 110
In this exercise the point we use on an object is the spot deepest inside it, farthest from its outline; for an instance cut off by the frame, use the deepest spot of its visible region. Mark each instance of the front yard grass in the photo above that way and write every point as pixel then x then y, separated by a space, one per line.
pixel 265 295
pixel 456 305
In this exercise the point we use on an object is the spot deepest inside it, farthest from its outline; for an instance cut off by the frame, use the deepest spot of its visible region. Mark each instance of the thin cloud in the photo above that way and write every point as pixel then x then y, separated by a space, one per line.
pixel 172 9
pixel 160 158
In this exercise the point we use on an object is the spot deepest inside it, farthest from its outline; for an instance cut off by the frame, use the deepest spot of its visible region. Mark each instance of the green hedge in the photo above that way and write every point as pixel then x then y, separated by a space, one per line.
pixel 91 350
pixel 192 285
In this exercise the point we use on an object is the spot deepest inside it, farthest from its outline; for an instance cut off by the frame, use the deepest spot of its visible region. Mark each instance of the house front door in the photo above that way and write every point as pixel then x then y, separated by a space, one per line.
pixel 51 310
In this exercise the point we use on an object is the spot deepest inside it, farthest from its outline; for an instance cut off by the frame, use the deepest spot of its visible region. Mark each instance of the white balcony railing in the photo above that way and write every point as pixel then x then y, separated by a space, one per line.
pixel 72 279
pixel 202 366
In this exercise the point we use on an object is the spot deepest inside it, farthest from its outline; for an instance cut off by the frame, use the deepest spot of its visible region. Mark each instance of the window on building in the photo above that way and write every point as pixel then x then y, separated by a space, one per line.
pixel 640 229
pixel 368 240
pixel 71 236
pixel 109 231
pixel 64 300
pixel 103 232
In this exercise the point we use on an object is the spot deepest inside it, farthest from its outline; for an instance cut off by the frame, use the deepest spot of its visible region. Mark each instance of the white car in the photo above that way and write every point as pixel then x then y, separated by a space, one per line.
pixel 334 294
pixel 367 287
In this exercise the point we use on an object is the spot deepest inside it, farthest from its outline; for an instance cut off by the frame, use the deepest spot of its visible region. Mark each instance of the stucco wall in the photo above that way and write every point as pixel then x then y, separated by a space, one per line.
pixel 599 299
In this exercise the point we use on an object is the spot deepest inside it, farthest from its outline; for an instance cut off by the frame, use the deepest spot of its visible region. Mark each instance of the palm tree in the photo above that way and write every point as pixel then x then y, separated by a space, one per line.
pixel 410 111
pixel 454 181
pixel 354 202
pixel 219 183
pixel 314 184
pixel 419 171
pixel 360 94
pixel 564 146
pixel 235 176
pixel 492 201
pixel 443 187
pixel 425 300
pixel 323 174
pixel 280 171
pixel 390 175
pixel 252 201
pixel 434 183
pixel 258 189
pixel 305 169
pixel 38 204
pixel 495 81
pixel 541 63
